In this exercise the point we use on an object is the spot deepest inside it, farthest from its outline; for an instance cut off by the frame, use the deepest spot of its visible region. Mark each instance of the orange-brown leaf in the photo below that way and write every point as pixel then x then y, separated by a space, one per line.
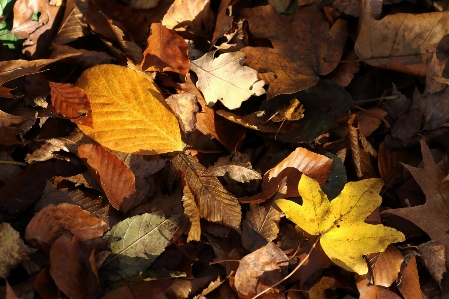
pixel 116 179
pixel 166 51
pixel 72 102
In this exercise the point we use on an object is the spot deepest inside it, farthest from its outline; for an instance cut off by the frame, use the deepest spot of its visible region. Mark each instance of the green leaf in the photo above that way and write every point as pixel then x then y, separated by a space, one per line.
pixel 137 242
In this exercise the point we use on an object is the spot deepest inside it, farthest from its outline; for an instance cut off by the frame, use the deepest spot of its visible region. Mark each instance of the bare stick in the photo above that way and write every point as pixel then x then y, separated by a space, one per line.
pixel 291 273
pixel 13 162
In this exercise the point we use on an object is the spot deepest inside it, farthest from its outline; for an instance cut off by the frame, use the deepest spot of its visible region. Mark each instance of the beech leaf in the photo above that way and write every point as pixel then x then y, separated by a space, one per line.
pixel 142 239
pixel 128 112
pixel 116 179
pixel 260 226
pixel 214 202
pixel 225 79
pixel 344 236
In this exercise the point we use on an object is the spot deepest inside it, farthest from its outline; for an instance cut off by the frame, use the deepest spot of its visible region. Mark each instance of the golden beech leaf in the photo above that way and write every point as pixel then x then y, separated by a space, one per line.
pixel 128 112
pixel 344 236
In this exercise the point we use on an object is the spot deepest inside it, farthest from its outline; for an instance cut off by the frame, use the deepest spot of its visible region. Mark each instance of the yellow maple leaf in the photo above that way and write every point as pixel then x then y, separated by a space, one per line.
pixel 344 236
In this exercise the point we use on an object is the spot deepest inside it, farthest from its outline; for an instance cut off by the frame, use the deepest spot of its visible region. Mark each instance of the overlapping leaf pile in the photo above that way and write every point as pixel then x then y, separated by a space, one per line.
pixel 224 149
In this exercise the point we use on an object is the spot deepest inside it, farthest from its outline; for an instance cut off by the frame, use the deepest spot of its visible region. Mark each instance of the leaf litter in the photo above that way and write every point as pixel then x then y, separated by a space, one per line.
pixel 228 149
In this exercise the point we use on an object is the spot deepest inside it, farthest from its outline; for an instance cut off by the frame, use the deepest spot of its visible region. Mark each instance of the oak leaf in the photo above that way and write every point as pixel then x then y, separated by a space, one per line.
pixel 225 79
pixel 433 216
pixel 128 112
pixel 304 46
pixel 344 236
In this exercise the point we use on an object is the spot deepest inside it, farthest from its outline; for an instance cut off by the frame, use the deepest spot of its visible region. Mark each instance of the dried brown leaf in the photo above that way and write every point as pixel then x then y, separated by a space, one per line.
pixel 408 282
pixel 185 107
pixel 116 179
pixel 385 266
pixel 260 226
pixel 53 221
pixel 72 26
pixel 237 166
pixel 12 128
pixel 214 202
pixel 191 211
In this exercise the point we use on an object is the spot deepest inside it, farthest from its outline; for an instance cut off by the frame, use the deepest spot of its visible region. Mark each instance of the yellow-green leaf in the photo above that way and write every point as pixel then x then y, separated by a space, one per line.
pixel 344 236
pixel 128 112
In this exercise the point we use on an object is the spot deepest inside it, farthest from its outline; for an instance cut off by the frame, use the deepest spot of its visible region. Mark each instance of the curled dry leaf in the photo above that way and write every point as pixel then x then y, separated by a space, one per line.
pixel 12 249
pixel 214 202
pixel 53 221
pixel 142 239
pixel 225 79
pixel 116 179
pixel 297 64
pixel 259 270
pixel 191 211
pixel 73 268
pixel 185 107
pixel 72 102
pixel 12 127
pixel 166 51
pixel 128 112
pixel 237 166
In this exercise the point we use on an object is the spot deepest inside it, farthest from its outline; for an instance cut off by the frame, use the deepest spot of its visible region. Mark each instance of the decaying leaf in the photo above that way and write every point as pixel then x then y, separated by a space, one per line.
pixel 116 179
pixel 185 107
pixel 236 166
pixel 225 79
pixel 297 64
pixel 53 221
pixel 344 236
pixel 260 226
pixel 214 202
pixel 12 249
pixel 127 112
pixel 142 239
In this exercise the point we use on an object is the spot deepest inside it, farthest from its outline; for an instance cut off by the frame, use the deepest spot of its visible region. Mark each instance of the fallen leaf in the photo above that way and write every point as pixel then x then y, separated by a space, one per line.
pixel 73 268
pixel 53 221
pixel 259 270
pixel 324 288
pixel 214 202
pixel 370 291
pixel 339 223
pixel 12 128
pixel 23 11
pixel 166 51
pixel 260 226
pixel 434 256
pixel 72 25
pixel 12 249
pixel 191 211
pixel 132 50
pixel 142 239
pixel 433 216
pixel 127 111
pixel 408 282
pixel 72 102
pixel 116 179
pixel 211 287
pixel 298 64
pixel 225 79
pixel 142 289
pixel 185 107
pixel 385 266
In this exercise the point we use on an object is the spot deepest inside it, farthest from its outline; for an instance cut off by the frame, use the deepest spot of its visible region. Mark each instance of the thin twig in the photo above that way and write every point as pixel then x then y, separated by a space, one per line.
pixel 291 273
pixel 392 97
pixel 13 162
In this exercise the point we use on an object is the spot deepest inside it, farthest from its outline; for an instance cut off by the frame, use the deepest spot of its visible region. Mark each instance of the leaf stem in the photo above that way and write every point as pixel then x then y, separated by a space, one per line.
pixel 291 273
pixel 13 162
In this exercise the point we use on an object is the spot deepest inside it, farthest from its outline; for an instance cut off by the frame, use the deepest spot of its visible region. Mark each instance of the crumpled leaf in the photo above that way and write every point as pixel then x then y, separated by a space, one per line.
pixel 127 111
pixel 12 249
pixel 237 166
pixel 259 270
pixel 225 79
pixel 116 179
pixel 433 216
pixel 73 268
pixel 53 221
pixel 214 202
pixel 12 127
pixel 296 60
pixel 344 236
pixel 142 239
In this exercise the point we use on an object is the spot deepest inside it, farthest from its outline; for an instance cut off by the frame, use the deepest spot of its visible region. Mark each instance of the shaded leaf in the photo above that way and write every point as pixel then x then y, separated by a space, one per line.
pixel 127 111
pixel 260 226
pixel 237 166
pixel 73 268
pixel 434 255
pixel 116 179
pixel 142 239
pixel 142 289
pixel 214 202
pixel 53 221
pixel 339 223
pixel 12 249
pixel 225 79
pixel 72 26
pixel 322 289
pixel 166 51
pixel 71 102
pixel 297 64
pixel 370 291
pixel 259 270
pixel 12 128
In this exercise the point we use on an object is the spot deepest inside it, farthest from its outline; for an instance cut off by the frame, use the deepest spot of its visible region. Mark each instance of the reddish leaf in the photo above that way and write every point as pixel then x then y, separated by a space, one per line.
pixel 72 102
pixel 53 221
pixel 408 284
pixel 166 51
pixel 73 268
pixel 116 179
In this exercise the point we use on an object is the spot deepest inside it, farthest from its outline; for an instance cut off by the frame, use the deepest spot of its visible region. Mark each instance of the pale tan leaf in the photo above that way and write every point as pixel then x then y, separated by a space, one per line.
pixel 237 166
pixel 185 107
pixel 191 211
pixel 128 112
pixel 214 202
pixel 225 79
